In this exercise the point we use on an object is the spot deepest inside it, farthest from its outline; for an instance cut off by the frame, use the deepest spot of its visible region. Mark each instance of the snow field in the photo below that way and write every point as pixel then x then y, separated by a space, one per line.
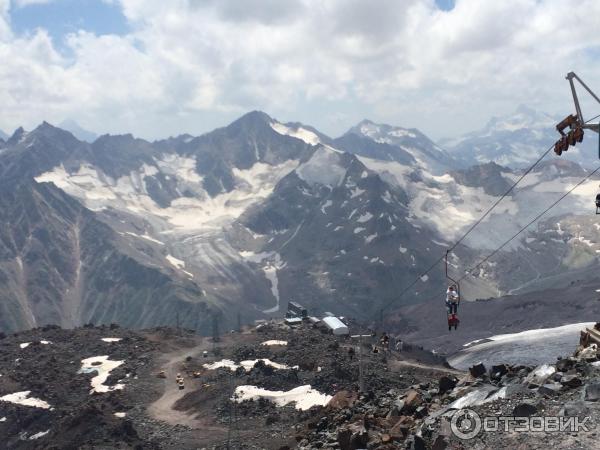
pixel 102 366
pixel 304 396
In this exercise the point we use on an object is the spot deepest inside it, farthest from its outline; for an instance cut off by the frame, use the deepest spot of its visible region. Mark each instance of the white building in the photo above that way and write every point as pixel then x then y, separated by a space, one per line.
pixel 335 325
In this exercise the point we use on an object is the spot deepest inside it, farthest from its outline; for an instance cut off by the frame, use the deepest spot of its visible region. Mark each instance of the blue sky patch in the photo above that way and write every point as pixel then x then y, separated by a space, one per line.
pixel 445 5
pixel 62 17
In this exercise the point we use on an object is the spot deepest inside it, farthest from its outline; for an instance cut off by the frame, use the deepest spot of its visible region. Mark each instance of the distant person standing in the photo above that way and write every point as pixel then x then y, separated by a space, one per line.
pixel 399 345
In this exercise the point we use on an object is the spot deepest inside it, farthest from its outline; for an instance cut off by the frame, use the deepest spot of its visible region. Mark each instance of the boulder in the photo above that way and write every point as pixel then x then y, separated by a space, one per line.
pixel 446 384
pixel 550 389
pixel 571 381
pixel 498 371
pixel 564 364
pixel 477 370
pixel 420 412
pixel 412 401
pixel 343 400
pixel 475 397
pixel 592 392
pixel 539 375
pixel 524 409
pixel 589 353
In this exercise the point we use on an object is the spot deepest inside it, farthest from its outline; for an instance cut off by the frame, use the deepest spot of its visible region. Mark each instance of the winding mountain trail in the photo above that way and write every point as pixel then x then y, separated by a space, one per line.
pixel 162 409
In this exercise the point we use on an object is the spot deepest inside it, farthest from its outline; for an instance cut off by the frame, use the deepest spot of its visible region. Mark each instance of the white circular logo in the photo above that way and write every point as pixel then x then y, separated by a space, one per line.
pixel 465 424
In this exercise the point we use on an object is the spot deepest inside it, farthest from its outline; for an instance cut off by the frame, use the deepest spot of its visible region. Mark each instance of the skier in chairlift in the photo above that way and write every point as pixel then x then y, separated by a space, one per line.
pixel 452 300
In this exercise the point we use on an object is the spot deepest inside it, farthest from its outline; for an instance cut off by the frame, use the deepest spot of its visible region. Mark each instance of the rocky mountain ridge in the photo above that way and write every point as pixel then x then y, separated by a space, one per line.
pixel 230 217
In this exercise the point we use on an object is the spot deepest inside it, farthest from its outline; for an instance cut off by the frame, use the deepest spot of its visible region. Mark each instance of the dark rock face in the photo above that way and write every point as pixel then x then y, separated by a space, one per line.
pixel 119 155
pixel 246 141
pixel 51 247
pixel 46 147
pixel 359 222
pixel 361 145
pixel 489 176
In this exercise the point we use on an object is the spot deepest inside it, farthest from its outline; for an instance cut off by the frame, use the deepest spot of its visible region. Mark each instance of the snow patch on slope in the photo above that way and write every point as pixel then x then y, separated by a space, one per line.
pixel 23 399
pixel 102 366
pixel 178 264
pixel 145 236
pixel 128 193
pixel 324 167
pixel 299 133
pixel 304 396
pixel 247 364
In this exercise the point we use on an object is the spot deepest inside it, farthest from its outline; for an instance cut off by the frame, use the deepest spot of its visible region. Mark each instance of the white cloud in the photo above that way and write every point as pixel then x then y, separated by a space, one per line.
pixel 190 65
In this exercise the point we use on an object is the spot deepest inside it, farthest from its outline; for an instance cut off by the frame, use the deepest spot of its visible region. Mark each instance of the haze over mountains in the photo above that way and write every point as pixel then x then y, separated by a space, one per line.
pixel 247 217
pixel 517 140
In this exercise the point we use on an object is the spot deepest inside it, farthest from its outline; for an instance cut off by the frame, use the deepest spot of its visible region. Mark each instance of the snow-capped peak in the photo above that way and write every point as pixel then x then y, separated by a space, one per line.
pixel 382 133
pixel 297 132
pixel 523 117
pixel 410 140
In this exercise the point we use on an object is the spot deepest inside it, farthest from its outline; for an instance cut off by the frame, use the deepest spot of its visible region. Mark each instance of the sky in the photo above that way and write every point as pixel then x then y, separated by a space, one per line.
pixel 158 68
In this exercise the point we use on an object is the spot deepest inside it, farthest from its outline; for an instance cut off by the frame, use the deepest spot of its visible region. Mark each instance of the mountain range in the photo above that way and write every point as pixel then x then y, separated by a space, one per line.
pixel 517 140
pixel 231 225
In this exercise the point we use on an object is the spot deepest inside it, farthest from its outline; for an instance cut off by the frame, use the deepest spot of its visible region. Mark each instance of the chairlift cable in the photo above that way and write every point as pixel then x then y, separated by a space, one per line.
pixel 471 228
pixel 469 271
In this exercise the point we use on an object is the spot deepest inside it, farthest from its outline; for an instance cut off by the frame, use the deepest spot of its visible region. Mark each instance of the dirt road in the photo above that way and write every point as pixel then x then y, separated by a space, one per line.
pixel 162 409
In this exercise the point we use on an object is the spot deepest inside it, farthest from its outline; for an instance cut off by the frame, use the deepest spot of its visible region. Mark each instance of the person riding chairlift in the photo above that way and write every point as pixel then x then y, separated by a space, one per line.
pixel 452 300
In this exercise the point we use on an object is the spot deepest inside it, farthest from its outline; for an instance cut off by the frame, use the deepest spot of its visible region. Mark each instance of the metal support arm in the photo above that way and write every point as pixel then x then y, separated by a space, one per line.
pixel 573 76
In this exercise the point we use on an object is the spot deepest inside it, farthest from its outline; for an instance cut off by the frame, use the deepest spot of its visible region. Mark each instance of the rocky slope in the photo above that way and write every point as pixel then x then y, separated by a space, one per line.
pixel 272 387
pixel 61 265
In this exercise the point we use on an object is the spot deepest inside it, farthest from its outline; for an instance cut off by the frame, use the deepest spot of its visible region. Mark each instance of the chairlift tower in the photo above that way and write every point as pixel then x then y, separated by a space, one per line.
pixel 575 122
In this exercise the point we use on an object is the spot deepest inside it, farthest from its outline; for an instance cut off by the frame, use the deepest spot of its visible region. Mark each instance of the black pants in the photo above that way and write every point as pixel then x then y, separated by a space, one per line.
pixel 452 307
